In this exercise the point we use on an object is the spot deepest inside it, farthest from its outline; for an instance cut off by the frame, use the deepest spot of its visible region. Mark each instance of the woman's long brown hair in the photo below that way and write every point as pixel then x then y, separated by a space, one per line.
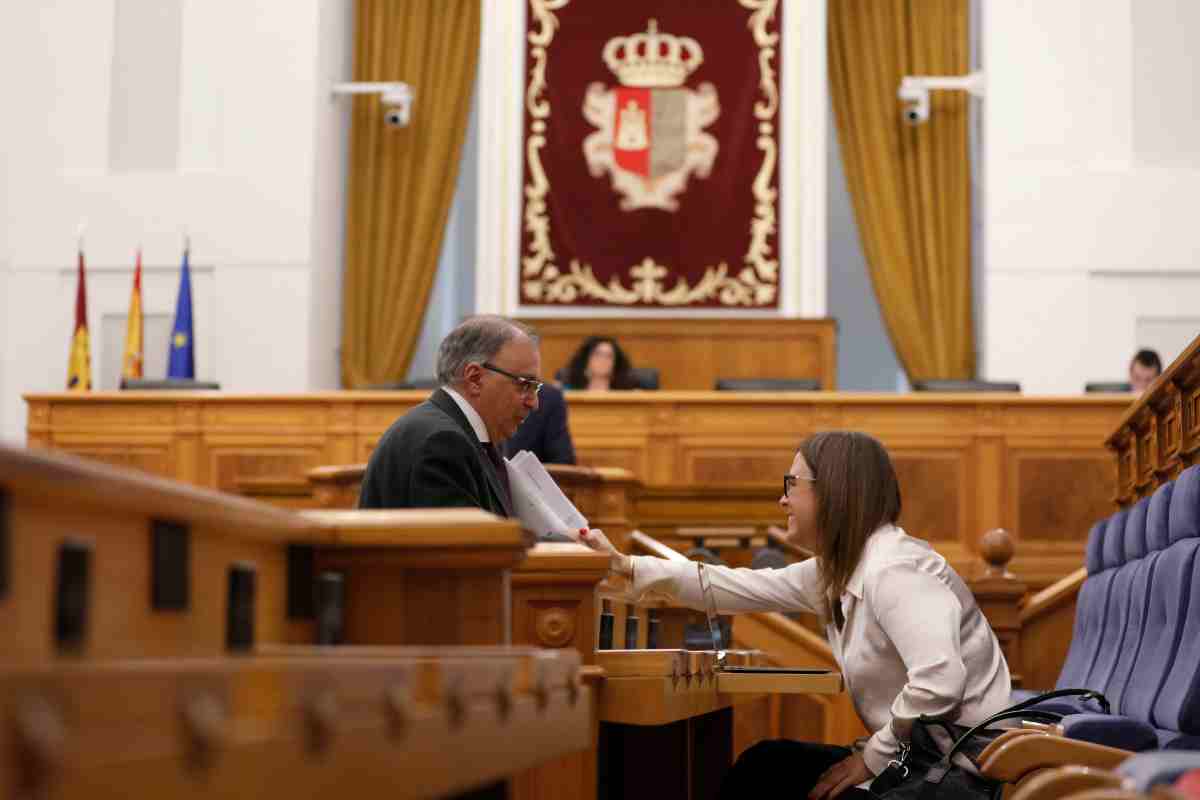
pixel 856 491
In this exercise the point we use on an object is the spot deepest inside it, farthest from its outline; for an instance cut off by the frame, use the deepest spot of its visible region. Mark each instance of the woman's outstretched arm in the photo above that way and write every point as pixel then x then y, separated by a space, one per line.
pixel 792 588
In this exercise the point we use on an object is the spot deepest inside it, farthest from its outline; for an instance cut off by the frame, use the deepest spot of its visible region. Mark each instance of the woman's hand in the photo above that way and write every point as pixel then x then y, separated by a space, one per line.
pixel 845 774
pixel 617 562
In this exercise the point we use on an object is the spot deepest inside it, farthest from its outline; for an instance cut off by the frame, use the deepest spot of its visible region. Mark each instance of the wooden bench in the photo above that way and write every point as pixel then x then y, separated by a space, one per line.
pixel 392 724
pixel 124 595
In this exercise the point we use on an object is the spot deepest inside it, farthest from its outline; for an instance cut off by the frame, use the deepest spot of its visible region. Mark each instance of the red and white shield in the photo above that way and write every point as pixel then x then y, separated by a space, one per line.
pixel 650 130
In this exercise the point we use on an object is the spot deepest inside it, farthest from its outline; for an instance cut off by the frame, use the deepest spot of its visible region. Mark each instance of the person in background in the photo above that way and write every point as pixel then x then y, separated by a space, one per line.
pixel 599 365
pixel 904 627
pixel 544 432
pixel 1144 368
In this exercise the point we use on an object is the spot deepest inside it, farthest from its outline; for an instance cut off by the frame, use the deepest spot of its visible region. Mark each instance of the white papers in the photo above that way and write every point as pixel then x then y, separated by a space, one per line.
pixel 540 504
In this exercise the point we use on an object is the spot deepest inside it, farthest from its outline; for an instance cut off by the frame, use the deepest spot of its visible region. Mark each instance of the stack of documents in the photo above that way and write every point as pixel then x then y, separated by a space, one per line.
pixel 540 504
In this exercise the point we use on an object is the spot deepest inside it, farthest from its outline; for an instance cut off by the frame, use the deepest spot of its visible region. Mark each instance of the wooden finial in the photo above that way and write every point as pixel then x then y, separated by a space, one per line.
pixel 996 547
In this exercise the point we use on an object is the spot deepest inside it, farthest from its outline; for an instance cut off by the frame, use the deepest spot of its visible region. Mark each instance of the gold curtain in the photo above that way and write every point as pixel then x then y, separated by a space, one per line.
pixel 402 180
pixel 910 185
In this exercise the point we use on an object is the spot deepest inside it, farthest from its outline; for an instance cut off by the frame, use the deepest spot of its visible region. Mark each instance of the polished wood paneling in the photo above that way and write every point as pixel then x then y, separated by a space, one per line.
pixel 1159 436
pixel 967 463
pixel 694 353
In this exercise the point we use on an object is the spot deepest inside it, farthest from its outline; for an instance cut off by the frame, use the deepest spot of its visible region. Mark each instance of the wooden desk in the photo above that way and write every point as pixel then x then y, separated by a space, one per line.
pixel 667 722
pixel 692 354
pixel 1035 466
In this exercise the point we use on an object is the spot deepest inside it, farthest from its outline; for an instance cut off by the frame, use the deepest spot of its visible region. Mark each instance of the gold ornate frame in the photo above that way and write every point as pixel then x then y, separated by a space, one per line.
pixel 755 285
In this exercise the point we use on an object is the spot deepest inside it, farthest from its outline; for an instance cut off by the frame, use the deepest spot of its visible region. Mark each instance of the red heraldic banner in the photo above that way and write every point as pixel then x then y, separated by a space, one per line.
pixel 651 154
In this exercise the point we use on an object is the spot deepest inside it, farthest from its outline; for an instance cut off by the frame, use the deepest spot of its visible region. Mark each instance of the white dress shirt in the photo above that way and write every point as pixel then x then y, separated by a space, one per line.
pixel 472 415
pixel 914 640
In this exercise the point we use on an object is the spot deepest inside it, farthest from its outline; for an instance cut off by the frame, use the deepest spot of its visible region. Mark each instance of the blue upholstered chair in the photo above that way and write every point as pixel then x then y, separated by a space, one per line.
pixel 1103 557
pixel 1177 707
pixel 1157 702
pixel 1089 613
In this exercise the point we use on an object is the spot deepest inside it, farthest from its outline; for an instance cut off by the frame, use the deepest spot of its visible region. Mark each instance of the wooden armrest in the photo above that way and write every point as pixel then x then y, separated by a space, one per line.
pixel 1044 727
pixel 1007 736
pixel 1061 781
pixel 1019 755
pixel 1053 596
pixel 1107 794
pixel 591 674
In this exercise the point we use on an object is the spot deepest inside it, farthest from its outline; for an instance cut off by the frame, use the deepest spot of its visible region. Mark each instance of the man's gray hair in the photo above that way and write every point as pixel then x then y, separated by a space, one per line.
pixel 476 339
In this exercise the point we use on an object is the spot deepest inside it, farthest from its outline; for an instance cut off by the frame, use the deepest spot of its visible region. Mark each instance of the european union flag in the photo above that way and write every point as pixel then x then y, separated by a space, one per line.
pixel 182 363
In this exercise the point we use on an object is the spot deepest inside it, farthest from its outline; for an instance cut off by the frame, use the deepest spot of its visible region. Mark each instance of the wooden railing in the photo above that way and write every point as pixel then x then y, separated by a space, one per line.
pixel 1159 436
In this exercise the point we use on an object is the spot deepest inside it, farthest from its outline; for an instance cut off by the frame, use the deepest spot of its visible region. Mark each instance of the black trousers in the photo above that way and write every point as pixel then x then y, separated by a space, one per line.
pixel 783 768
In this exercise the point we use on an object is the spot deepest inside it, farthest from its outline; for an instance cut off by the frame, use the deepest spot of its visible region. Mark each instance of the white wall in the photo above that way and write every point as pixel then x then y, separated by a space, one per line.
pixel 249 159
pixel 1092 167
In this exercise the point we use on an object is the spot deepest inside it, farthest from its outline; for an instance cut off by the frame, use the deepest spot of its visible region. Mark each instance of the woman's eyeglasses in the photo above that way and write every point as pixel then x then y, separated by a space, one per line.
pixel 528 386
pixel 790 480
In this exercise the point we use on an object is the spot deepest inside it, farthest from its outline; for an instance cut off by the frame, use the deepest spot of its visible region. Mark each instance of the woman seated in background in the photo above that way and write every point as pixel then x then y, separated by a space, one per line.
pixel 905 629
pixel 599 365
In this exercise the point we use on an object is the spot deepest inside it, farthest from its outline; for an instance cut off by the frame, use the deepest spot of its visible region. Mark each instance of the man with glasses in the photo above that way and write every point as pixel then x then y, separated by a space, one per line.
pixel 444 452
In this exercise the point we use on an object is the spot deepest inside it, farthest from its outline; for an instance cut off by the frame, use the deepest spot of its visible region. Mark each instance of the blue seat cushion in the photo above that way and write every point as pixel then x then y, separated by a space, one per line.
pixel 1183 741
pixel 1111 731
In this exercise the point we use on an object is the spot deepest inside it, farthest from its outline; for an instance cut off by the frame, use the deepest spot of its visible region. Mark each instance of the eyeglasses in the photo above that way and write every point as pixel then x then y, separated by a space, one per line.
pixel 790 480
pixel 528 386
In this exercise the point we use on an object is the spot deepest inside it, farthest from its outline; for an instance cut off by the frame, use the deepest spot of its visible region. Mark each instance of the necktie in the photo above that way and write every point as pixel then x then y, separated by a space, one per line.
pixel 493 455
pixel 839 618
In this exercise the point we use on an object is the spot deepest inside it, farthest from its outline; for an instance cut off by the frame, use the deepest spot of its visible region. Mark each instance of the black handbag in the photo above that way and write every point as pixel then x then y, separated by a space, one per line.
pixel 923 771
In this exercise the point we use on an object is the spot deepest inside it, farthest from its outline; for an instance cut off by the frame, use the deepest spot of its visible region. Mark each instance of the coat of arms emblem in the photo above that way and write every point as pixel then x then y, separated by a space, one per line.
pixel 651 133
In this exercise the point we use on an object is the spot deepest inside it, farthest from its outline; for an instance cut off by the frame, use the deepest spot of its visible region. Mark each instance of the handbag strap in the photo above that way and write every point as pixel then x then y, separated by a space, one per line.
pixel 1020 710
pixel 1086 694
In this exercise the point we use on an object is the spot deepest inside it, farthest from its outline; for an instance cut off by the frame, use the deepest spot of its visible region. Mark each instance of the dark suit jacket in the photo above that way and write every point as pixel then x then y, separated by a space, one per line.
pixel 544 432
pixel 431 458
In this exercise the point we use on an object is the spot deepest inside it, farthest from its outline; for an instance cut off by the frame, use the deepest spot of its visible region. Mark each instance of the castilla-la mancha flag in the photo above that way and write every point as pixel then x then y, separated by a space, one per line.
pixel 651 154
pixel 79 363
pixel 131 364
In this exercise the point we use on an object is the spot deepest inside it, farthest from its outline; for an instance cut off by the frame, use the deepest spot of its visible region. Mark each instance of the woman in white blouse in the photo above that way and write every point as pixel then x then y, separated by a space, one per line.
pixel 905 629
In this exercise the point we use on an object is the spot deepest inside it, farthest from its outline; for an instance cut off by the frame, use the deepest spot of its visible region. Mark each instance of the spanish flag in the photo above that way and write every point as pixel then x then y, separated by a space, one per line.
pixel 79 367
pixel 131 364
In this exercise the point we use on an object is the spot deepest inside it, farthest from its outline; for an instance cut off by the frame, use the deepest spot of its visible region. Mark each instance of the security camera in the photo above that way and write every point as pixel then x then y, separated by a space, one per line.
pixel 916 102
pixel 914 91
pixel 396 99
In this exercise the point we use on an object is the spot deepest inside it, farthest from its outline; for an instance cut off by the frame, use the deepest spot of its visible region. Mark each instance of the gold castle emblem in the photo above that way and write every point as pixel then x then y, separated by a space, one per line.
pixel 651 133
